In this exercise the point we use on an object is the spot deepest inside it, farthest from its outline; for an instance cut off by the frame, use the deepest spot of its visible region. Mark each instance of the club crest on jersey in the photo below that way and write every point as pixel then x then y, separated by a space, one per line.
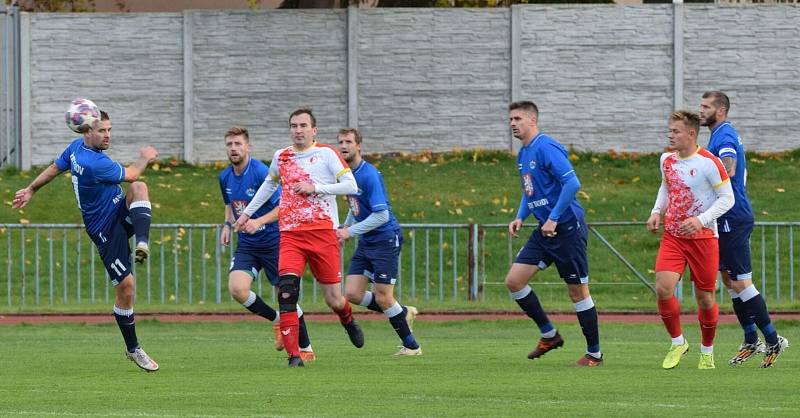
pixel 533 164
pixel 353 202
pixel 693 172
pixel 251 192
pixel 238 207
pixel 527 184
pixel 312 160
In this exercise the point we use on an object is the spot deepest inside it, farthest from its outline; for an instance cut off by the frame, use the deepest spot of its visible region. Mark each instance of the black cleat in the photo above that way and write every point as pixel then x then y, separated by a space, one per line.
pixel 545 345
pixel 355 333
pixel 295 361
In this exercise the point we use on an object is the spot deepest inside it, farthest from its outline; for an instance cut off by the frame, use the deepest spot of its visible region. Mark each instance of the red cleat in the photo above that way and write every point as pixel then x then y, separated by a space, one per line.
pixel 590 361
pixel 545 345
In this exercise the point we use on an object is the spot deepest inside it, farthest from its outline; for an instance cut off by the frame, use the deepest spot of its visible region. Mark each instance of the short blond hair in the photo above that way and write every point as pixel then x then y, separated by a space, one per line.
pixel 238 130
pixel 689 118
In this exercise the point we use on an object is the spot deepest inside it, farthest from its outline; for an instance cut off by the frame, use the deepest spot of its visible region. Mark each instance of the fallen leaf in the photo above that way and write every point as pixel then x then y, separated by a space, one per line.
pixel 780 190
pixel 156 167
pixel 24 221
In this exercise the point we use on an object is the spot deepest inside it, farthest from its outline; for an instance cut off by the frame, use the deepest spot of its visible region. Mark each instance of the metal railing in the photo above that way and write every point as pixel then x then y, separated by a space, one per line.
pixel 57 264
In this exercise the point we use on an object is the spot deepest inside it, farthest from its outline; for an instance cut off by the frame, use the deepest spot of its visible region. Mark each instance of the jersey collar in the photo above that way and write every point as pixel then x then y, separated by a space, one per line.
pixel 720 126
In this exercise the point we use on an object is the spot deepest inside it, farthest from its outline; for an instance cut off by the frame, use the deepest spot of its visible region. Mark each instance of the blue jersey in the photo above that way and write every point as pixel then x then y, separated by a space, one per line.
pixel 725 142
pixel 238 191
pixel 543 168
pixel 96 179
pixel 372 197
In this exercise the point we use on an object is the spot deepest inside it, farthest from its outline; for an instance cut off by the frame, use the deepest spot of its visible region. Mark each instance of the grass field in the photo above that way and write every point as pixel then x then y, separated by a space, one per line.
pixel 460 187
pixel 469 369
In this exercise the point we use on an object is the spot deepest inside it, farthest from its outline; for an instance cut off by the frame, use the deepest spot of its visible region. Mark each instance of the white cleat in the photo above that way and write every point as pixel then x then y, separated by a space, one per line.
pixel 405 351
pixel 142 360
pixel 411 315
pixel 141 252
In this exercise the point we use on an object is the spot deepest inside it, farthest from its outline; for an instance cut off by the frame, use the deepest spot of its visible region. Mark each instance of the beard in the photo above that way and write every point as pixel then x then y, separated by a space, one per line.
pixel 710 120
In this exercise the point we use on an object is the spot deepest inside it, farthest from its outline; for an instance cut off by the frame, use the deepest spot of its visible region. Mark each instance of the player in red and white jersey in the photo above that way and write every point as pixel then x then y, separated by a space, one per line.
pixel 311 174
pixel 695 191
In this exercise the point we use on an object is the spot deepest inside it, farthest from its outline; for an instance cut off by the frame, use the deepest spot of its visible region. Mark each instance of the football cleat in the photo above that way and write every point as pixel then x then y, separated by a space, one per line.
pixel 411 315
pixel 746 352
pixel 675 354
pixel 405 351
pixel 706 361
pixel 141 252
pixel 307 354
pixel 545 345
pixel 142 360
pixel 296 361
pixel 772 352
pixel 355 333
pixel 589 360
pixel 278 337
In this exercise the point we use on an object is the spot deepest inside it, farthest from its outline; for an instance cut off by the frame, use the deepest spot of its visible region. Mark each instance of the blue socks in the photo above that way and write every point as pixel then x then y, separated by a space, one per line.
pixel 256 305
pixel 527 300
pixel 587 318
pixel 397 317
pixel 748 326
pixel 757 308
pixel 127 325
pixel 140 218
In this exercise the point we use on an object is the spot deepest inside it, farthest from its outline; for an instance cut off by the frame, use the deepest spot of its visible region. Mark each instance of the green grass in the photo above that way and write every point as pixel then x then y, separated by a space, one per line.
pixel 460 187
pixel 469 368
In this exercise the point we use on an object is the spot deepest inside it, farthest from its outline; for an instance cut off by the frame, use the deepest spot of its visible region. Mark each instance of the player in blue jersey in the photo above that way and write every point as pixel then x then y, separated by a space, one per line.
pixel 549 185
pixel 735 227
pixel 257 246
pixel 110 215
pixel 379 239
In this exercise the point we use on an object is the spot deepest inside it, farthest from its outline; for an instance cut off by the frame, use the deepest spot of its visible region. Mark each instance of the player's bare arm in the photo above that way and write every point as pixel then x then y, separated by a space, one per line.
pixel 691 226
pixel 653 222
pixel 730 165
pixel 146 156
pixel 225 235
pixel 549 228
pixel 23 196
pixel 514 227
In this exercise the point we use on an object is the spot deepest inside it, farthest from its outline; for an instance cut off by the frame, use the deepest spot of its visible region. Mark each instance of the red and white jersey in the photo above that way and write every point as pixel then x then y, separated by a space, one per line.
pixel 320 165
pixel 692 186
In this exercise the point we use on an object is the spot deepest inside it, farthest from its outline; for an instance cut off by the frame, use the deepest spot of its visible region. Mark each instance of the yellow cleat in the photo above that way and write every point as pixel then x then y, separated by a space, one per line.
pixel 675 354
pixel 411 315
pixel 706 361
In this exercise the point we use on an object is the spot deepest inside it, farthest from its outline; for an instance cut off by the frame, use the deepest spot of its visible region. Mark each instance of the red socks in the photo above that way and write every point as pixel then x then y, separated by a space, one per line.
pixel 708 324
pixel 290 328
pixel 345 314
pixel 670 310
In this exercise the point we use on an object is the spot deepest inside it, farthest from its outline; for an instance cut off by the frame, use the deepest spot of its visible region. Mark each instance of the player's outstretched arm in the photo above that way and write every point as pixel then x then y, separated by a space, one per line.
pixel 146 156
pixel 252 225
pixel 23 196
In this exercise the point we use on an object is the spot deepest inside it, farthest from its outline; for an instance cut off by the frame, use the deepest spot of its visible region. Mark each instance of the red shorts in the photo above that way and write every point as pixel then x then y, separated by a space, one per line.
pixel 702 256
pixel 319 248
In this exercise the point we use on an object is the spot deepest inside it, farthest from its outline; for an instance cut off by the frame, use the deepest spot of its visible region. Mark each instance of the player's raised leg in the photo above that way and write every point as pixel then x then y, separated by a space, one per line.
pixel 670 310
pixel 517 283
pixel 138 201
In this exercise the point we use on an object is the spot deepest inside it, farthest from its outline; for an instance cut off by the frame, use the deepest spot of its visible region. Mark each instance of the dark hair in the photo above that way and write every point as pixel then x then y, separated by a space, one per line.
pixel 307 111
pixel 719 99
pixel 238 130
pixel 525 105
pixel 87 127
pixel 354 131
pixel 689 118
pixel 104 116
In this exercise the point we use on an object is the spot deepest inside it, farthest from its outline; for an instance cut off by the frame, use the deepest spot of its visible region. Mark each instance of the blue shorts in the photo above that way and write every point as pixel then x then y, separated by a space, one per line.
pixel 734 249
pixel 252 261
pixel 114 247
pixel 567 250
pixel 379 262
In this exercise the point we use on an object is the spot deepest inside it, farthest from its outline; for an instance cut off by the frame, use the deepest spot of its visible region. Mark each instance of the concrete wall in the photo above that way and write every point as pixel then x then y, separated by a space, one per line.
pixel 411 79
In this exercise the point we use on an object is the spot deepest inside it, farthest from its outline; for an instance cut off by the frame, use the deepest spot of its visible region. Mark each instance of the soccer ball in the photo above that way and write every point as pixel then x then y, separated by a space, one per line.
pixel 81 115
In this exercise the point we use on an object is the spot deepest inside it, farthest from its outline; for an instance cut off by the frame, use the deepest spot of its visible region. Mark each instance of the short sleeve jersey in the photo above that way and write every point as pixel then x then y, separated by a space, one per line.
pixel 320 164
pixel 543 166
pixel 691 184
pixel 238 191
pixel 95 179
pixel 371 198
pixel 725 142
